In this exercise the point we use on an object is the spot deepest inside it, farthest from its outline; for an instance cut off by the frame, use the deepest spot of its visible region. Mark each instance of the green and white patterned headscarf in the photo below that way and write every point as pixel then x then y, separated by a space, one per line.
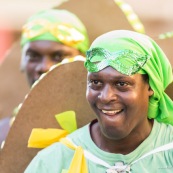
pixel 129 52
pixel 56 25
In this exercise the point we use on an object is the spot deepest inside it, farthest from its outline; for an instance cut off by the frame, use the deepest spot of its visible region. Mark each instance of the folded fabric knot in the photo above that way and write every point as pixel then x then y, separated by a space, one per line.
pixel 41 138
pixel 119 168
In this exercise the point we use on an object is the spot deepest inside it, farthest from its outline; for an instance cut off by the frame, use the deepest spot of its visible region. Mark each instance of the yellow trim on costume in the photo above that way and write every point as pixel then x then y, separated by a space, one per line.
pixel 41 138
pixel 65 33
pixel 64 61
pixel 166 35
pixel 78 164
pixel 131 16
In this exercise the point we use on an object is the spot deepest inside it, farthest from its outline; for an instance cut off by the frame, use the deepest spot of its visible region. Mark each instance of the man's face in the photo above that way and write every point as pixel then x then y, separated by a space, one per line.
pixel 119 101
pixel 39 56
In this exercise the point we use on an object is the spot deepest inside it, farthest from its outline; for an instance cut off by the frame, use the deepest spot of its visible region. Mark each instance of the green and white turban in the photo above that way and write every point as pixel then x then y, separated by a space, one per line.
pixel 129 52
pixel 56 25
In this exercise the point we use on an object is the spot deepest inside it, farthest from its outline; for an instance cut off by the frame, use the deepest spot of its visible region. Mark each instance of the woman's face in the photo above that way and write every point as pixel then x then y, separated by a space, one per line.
pixel 119 101
pixel 39 56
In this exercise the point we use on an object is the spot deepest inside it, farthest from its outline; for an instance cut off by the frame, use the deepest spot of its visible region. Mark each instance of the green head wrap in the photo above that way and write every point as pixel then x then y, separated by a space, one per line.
pixel 129 52
pixel 56 25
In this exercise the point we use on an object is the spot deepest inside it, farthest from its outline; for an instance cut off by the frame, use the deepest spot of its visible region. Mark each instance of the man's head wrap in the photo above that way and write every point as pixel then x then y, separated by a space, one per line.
pixel 56 25
pixel 129 52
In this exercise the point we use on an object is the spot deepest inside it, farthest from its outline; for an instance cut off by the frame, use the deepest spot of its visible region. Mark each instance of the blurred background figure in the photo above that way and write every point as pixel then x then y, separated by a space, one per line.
pixel 13 85
pixel 48 37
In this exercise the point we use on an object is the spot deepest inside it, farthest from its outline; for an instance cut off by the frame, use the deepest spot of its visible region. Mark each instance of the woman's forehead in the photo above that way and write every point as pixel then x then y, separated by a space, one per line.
pixel 111 72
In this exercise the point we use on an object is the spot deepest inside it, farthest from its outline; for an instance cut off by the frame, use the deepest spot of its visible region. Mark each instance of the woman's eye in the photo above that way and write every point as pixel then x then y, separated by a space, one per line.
pixel 95 84
pixel 32 57
pixel 60 57
pixel 122 84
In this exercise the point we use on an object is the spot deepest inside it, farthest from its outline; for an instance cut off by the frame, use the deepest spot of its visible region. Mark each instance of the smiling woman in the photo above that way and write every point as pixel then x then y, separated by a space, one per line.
pixel 116 100
pixel 127 76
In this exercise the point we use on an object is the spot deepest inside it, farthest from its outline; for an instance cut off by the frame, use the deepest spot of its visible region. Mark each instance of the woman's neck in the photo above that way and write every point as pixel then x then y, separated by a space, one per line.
pixel 122 146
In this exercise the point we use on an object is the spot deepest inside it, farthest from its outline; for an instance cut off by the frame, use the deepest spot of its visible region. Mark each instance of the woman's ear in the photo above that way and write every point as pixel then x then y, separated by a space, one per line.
pixel 151 92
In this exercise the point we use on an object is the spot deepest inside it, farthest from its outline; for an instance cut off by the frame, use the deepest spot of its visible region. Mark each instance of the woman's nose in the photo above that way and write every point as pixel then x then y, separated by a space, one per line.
pixel 108 94
pixel 44 65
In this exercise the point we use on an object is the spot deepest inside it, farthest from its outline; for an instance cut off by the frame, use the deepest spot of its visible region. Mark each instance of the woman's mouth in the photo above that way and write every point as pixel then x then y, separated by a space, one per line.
pixel 112 112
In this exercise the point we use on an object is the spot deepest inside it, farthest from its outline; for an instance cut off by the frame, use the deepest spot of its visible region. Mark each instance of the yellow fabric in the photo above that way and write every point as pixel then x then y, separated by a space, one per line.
pixel 78 164
pixel 56 25
pixel 41 138
pixel 65 33
pixel 67 121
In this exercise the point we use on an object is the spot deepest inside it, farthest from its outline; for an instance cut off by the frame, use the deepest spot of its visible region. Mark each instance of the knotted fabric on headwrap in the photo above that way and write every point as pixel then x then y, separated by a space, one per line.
pixel 56 25
pixel 129 52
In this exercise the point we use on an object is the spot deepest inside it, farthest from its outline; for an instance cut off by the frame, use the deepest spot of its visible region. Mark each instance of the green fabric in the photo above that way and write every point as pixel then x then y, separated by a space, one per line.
pixel 57 157
pixel 44 26
pixel 125 61
pixel 157 67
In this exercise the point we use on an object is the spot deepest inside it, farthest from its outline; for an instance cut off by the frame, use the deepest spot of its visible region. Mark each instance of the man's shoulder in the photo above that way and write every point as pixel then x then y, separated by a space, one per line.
pixel 164 131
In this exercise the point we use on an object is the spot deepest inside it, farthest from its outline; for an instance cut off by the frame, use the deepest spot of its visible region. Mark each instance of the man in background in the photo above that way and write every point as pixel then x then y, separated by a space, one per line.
pixel 47 38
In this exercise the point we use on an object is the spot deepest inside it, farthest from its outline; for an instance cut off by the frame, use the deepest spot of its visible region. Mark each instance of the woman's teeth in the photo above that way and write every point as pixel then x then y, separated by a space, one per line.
pixel 111 112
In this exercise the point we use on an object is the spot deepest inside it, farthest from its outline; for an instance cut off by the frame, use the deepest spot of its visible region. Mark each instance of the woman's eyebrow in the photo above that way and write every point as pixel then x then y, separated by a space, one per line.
pixel 31 50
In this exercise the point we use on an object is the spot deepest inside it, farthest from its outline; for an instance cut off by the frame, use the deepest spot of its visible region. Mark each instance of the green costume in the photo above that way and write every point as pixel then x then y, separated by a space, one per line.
pixel 58 157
